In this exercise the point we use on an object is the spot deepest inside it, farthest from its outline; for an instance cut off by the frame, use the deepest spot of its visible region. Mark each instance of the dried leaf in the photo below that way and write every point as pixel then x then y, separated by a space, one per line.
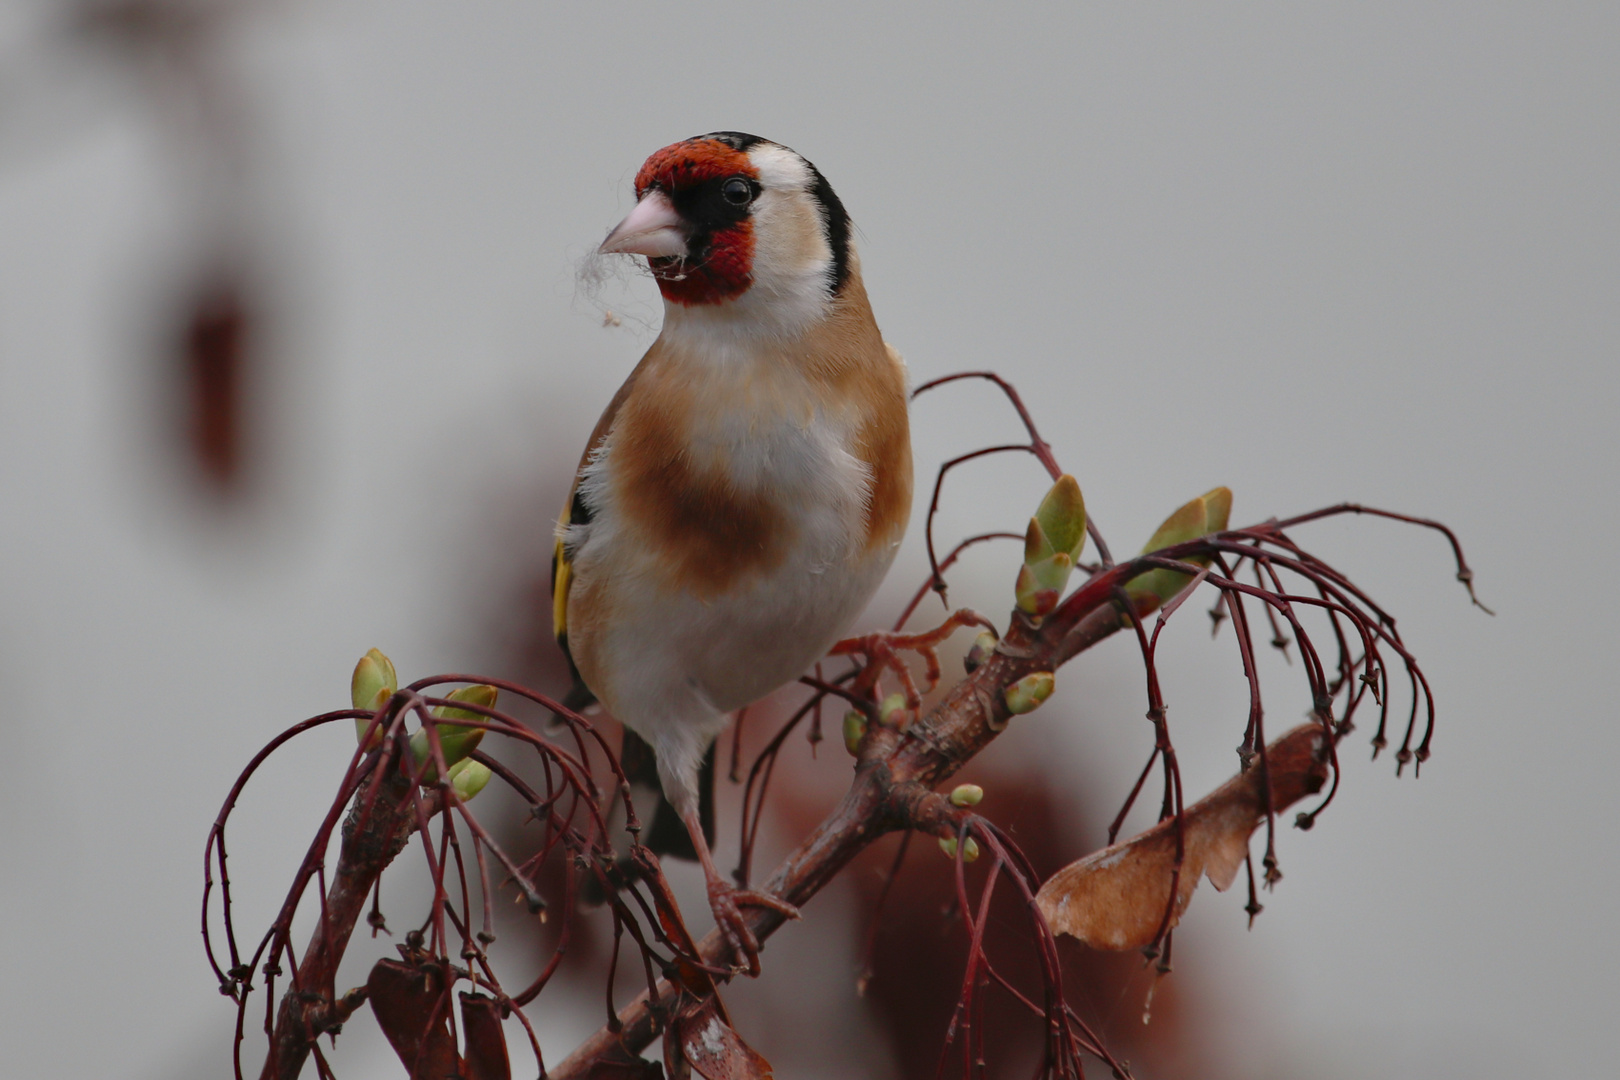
pixel 690 978
pixel 715 1050
pixel 1116 898
pixel 413 1010
pixel 486 1057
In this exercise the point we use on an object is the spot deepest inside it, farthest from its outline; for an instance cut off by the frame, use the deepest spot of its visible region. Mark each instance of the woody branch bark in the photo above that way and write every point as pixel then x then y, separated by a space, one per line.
pixel 380 823
pixel 311 1007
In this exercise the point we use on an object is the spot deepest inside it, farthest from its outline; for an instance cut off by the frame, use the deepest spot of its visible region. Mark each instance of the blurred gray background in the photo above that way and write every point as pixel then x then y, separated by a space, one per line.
pixel 1314 252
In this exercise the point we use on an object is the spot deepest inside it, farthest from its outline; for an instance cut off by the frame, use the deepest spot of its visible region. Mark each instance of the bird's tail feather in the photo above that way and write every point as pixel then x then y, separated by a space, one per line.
pixel 578 699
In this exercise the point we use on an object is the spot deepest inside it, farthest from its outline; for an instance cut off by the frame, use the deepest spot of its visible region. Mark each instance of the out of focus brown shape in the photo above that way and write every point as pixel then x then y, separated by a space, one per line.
pixel 214 355
pixel 920 945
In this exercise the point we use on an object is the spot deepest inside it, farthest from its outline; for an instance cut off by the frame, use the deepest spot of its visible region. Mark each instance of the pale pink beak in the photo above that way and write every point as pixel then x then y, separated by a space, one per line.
pixel 653 229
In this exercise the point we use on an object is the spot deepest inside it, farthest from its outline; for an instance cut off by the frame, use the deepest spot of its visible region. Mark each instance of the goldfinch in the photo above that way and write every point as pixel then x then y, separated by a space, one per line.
pixel 748 486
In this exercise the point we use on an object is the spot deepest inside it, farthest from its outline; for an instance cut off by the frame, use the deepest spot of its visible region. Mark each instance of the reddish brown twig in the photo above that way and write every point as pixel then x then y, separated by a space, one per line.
pixel 898 770
pixel 394 792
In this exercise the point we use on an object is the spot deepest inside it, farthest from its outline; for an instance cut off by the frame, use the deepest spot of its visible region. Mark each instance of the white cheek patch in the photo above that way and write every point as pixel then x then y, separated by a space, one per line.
pixel 780 168
pixel 790 242
pixel 793 263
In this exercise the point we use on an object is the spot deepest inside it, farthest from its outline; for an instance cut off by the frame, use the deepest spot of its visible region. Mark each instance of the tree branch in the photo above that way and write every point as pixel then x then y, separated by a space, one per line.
pixel 895 775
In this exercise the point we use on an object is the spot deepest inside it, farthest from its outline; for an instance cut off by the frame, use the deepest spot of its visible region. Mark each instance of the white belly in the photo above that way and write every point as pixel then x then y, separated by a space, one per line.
pixel 670 663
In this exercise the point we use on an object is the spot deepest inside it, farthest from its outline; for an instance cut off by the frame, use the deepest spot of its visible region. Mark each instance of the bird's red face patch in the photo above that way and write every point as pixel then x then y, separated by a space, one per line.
pixel 687 164
pixel 721 239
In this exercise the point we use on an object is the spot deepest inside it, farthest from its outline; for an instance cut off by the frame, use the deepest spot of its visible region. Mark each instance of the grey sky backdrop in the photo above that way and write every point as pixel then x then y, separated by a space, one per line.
pixel 1315 252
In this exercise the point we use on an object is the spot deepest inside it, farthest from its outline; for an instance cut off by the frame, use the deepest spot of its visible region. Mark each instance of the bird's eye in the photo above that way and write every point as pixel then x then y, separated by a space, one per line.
pixel 737 191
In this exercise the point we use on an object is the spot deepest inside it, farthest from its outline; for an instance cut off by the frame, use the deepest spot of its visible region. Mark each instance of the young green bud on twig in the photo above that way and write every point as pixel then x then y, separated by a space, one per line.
pixel 892 712
pixel 373 683
pixel 1053 542
pixel 1204 515
pixel 468 777
pixel 854 731
pixel 455 741
pixel 970 850
pixel 1027 693
pixel 966 795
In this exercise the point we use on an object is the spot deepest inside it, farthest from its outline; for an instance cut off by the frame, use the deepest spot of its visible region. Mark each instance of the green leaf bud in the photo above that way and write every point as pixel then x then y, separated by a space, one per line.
pixel 481 695
pixel 468 778
pixel 854 731
pixel 892 712
pixel 1204 515
pixel 372 684
pixel 1062 517
pixel 1027 693
pixel 1053 541
pixel 966 795
pixel 455 741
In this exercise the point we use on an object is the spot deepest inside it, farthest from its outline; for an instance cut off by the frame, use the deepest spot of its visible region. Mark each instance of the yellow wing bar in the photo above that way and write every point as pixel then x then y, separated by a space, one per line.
pixel 561 573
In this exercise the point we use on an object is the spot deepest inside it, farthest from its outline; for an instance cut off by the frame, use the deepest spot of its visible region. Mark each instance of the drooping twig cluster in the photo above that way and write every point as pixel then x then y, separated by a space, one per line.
pixel 392 797
pixel 903 753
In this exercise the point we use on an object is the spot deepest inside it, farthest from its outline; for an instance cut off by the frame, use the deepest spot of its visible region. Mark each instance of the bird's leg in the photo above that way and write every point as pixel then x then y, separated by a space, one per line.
pixel 725 900
pixel 882 651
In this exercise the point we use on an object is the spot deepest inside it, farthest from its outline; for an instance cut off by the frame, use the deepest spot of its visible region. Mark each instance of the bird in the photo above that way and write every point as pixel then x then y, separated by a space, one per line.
pixel 747 488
